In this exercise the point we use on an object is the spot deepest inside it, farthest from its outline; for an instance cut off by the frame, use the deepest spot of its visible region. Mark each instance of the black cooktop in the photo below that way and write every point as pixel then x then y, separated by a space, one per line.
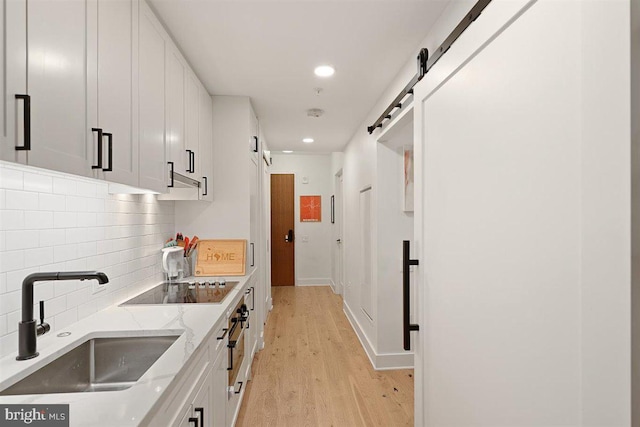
pixel 184 293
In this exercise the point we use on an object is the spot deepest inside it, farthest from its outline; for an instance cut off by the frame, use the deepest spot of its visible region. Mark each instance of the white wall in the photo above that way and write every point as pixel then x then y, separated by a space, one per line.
pixel 313 239
pixel 58 222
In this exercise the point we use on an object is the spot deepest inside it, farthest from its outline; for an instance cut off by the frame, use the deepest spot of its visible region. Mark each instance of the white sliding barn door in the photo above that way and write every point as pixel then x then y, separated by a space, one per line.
pixel 508 177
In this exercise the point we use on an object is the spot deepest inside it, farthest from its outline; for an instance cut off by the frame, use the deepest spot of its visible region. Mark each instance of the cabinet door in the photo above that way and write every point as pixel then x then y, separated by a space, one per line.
pixel 219 390
pixel 13 78
pixel 202 402
pixel 176 148
pixel 205 151
pixel 192 103
pixel 254 204
pixel 117 21
pixel 151 103
pixel 58 79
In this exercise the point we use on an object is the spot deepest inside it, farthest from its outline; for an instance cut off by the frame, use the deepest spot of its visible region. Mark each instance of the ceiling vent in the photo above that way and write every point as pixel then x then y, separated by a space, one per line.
pixel 315 112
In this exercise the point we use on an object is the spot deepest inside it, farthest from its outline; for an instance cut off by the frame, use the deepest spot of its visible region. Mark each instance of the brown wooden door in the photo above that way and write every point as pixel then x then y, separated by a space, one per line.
pixel 282 226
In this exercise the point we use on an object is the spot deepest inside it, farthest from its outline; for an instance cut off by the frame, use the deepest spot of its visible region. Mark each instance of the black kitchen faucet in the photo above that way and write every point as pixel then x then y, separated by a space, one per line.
pixel 27 328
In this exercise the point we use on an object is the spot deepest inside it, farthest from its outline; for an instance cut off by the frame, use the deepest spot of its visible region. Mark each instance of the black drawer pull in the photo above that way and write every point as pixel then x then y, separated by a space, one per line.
pixel 194 421
pixel 27 123
pixel 200 412
pixel 100 136
pixel 109 151
pixel 206 186
pixel 238 392
pixel 225 330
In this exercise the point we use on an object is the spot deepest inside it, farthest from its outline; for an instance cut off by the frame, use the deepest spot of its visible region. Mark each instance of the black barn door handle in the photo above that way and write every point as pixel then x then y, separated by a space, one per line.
pixel 407 326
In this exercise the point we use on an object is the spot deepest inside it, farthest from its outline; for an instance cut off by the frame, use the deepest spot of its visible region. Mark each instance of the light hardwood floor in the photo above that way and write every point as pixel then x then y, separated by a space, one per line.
pixel 314 372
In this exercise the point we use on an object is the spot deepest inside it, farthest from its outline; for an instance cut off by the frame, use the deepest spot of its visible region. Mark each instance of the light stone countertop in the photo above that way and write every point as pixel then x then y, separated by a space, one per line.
pixel 192 322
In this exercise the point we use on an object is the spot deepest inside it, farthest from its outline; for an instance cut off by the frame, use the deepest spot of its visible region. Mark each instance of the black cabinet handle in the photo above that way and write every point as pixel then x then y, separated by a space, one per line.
pixel 238 392
pixel 100 136
pixel 206 186
pixel 200 412
pixel 193 162
pixel 171 174
pixel 253 298
pixel 230 368
pixel 109 151
pixel 26 146
pixel 253 255
pixel 189 152
pixel 194 421
pixel 255 147
pixel 224 334
pixel 407 326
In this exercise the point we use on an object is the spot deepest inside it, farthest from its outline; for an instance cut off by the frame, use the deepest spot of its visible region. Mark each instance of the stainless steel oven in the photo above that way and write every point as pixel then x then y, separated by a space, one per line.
pixel 238 322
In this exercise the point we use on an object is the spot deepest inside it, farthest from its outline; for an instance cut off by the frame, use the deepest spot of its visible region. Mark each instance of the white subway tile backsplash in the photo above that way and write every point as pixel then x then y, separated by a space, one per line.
pixel 38 257
pixel 38 182
pixel 10 301
pixel 52 237
pixel 11 178
pixel 12 321
pixel 52 202
pixel 65 253
pixel 52 221
pixel 38 220
pixel 11 260
pixel 23 239
pixel 11 220
pixel 77 204
pixel 15 278
pixel 64 186
pixel 3 324
pixel 8 343
pixel 86 189
pixel 23 200
pixel 65 219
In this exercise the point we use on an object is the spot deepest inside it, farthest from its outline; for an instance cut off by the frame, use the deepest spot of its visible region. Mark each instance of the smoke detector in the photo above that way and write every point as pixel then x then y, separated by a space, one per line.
pixel 315 112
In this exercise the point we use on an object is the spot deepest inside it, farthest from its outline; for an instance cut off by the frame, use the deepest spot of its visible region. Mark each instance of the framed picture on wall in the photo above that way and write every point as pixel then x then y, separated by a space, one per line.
pixel 310 208
pixel 407 193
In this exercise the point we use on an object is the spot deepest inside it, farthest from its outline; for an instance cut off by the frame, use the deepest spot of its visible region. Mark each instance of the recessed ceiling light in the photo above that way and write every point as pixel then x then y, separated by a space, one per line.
pixel 324 71
pixel 307 140
pixel 287 151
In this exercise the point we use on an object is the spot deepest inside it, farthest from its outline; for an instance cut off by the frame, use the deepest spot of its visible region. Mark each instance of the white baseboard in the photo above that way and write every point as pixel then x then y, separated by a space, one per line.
pixel 313 282
pixel 333 286
pixel 379 361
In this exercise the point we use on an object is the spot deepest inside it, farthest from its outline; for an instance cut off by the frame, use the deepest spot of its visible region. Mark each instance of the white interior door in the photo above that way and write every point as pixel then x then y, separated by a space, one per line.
pixel 339 254
pixel 366 279
pixel 509 174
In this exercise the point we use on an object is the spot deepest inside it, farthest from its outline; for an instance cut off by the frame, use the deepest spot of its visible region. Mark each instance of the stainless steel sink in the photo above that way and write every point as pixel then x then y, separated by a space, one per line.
pixel 99 364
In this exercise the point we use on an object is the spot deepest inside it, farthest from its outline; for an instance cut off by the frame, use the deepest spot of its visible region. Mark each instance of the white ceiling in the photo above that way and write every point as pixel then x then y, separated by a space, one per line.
pixel 267 50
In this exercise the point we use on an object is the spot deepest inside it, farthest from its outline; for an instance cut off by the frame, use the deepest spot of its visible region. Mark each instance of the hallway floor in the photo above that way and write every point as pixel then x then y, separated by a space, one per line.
pixel 314 372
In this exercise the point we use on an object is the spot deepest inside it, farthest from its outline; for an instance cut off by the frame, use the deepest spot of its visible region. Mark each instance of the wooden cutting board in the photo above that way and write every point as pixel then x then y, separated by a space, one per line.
pixel 221 257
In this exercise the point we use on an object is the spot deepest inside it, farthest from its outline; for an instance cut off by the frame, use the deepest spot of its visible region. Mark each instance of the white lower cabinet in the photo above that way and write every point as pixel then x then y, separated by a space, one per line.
pixel 199 412
pixel 219 376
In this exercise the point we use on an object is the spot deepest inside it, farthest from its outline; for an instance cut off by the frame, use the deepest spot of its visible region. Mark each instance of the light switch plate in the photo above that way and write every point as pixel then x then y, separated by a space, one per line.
pixel 305 179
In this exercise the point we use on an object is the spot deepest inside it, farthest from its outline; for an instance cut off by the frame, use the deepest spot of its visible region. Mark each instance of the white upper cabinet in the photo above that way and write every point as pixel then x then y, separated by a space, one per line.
pixel 117 22
pixel 205 151
pixel 58 80
pixel 176 147
pixel 151 102
pixel 192 103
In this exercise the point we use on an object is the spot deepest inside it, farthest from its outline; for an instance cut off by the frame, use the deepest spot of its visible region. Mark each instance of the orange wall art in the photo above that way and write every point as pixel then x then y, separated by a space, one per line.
pixel 310 208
